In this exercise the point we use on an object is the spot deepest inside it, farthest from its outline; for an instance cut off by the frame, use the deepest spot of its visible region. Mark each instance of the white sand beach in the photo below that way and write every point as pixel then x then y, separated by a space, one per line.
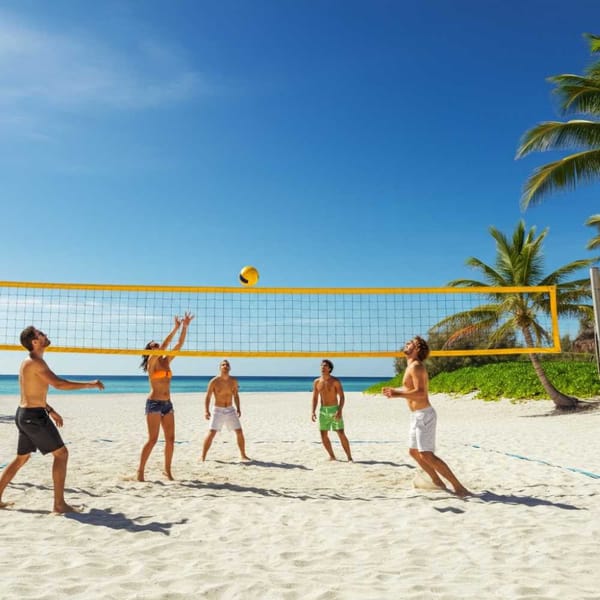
pixel 293 525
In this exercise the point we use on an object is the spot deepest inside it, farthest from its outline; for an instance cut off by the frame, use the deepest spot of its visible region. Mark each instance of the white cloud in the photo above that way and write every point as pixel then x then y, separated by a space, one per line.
pixel 52 71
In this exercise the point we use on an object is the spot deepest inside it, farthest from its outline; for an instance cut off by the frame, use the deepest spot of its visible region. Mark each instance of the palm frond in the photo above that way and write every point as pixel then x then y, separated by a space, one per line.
pixel 560 175
pixel 593 41
pixel 491 275
pixel 557 276
pixel 593 71
pixel 466 283
pixel 459 335
pixel 593 244
pixel 571 79
pixel 569 294
pixel 558 135
pixel 594 221
pixel 539 333
pixel 501 333
pixel 577 311
pixel 578 94
pixel 480 314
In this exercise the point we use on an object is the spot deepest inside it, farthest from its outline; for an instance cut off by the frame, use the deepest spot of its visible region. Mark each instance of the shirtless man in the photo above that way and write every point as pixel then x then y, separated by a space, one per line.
pixel 423 416
pixel 36 431
pixel 329 388
pixel 225 390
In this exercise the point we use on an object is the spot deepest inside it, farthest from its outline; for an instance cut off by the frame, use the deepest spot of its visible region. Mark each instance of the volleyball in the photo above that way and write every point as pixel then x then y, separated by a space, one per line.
pixel 248 276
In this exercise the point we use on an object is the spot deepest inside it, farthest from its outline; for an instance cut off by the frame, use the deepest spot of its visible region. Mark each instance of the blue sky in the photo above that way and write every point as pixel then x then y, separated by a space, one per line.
pixel 329 143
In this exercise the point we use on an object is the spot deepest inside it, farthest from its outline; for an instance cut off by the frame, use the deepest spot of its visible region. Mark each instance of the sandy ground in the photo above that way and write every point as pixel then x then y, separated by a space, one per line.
pixel 293 525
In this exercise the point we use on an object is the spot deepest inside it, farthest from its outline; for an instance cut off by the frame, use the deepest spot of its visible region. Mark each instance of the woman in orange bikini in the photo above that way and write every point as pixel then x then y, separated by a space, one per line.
pixel 159 409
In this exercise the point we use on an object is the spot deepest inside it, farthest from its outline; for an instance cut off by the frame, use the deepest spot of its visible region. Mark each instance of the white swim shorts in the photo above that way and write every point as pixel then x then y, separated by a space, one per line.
pixel 225 416
pixel 421 434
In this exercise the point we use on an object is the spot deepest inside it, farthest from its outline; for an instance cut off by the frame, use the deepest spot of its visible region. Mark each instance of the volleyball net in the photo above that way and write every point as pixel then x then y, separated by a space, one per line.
pixel 261 322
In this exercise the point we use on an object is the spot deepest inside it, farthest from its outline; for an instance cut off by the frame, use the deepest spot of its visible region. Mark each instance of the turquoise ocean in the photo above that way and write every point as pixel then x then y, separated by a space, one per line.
pixel 138 384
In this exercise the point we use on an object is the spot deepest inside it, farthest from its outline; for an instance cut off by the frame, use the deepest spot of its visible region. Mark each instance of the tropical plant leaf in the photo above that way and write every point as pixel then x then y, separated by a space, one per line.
pixel 593 41
pixel 560 175
pixel 555 135
pixel 594 221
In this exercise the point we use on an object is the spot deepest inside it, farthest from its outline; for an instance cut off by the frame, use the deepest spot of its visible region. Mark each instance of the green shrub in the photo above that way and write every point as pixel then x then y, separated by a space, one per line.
pixel 516 380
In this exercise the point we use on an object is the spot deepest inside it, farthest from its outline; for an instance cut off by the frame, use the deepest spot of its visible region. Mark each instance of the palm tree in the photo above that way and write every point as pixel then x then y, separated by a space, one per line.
pixel 519 262
pixel 578 94
pixel 594 221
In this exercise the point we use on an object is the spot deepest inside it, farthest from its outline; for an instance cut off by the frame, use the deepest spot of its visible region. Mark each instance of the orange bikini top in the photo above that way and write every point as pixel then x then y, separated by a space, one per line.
pixel 162 374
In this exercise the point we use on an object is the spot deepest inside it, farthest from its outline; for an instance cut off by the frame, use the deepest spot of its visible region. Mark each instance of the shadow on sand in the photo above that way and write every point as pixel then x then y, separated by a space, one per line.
pixel 106 518
pixel 260 463
pixel 493 498
pixel 269 493
pixel 587 407
pixel 384 462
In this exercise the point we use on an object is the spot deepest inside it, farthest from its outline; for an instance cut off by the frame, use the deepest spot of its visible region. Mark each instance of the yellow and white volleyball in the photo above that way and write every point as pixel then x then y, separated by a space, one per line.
pixel 249 276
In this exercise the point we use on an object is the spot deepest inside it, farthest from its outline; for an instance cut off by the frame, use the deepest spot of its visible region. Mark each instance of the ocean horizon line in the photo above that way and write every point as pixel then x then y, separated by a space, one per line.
pixel 124 384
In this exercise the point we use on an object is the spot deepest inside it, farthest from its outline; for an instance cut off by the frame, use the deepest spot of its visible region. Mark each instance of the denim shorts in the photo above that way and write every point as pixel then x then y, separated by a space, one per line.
pixel 164 407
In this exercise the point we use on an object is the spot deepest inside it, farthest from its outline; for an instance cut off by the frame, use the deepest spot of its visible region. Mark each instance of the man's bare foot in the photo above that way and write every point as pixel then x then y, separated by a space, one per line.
pixel 246 458
pixel 140 476
pixel 350 459
pixel 462 492
pixel 6 504
pixel 169 475
pixel 332 458
pixel 60 509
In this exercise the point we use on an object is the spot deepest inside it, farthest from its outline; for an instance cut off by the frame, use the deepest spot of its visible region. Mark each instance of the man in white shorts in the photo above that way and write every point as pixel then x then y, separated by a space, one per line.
pixel 423 416
pixel 226 393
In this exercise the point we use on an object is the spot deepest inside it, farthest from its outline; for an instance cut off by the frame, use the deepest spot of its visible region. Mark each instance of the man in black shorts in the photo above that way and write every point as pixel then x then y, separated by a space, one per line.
pixel 36 430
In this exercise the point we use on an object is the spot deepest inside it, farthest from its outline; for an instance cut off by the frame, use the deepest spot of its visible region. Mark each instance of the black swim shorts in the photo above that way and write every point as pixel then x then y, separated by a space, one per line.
pixel 36 431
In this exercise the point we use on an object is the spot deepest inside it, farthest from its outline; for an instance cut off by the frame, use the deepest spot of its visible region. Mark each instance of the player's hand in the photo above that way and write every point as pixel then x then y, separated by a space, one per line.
pixel 56 418
pixel 313 417
pixel 387 392
pixel 207 415
pixel 97 383
pixel 187 319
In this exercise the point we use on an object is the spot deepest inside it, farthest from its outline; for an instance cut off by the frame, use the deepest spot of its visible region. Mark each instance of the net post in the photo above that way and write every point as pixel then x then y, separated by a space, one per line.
pixel 595 284
pixel 554 317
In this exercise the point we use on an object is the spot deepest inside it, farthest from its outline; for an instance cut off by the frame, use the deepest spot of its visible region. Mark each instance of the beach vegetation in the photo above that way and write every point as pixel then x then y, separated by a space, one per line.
pixel 514 380
pixel 519 262
pixel 440 364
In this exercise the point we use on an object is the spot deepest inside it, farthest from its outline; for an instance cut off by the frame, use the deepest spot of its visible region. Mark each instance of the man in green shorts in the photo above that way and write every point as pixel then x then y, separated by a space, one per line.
pixel 330 390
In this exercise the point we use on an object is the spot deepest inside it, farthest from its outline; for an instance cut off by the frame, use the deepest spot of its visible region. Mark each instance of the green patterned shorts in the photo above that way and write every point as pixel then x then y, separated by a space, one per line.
pixel 327 420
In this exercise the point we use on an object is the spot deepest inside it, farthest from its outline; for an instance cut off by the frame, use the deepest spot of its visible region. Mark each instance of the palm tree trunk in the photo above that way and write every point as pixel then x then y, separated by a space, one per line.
pixel 561 401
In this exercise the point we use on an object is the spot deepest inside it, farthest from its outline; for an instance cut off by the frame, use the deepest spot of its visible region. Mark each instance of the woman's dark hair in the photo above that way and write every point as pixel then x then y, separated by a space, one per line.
pixel 146 357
